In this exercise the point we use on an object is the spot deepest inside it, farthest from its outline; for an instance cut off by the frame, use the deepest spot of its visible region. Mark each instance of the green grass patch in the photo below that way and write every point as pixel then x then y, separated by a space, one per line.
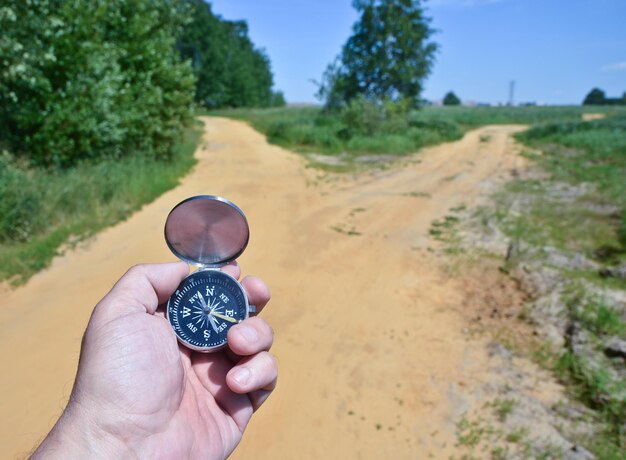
pixel 596 387
pixel 362 129
pixel 41 209
pixel 591 152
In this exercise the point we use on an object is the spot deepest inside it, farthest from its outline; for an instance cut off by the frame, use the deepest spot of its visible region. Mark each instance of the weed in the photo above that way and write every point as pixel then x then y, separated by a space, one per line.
pixel 471 433
pixel 502 408
pixel 446 230
pixel 500 453
pixel 601 318
pixel 350 232
pixel 418 194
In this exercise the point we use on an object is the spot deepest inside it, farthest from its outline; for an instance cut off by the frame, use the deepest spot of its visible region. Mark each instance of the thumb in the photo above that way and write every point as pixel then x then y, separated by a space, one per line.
pixel 143 288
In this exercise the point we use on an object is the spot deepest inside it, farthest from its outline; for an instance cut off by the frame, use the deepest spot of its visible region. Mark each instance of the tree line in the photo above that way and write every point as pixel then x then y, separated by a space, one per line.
pixel 598 97
pixel 86 79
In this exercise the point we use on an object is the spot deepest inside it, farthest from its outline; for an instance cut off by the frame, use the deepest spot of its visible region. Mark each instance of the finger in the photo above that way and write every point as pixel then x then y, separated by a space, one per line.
pixel 211 369
pixel 233 269
pixel 257 398
pixel 257 291
pixel 258 372
pixel 250 337
pixel 144 287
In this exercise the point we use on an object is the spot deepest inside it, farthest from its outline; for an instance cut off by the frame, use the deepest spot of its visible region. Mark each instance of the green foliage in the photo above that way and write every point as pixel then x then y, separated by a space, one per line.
pixel 366 117
pixel 86 79
pixel 595 315
pixel 362 127
pixel 596 154
pixel 230 71
pixel 597 97
pixel 19 203
pixel 278 99
pixel 366 127
pixel 599 389
pixel 40 210
pixel 451 99
pixel 388 55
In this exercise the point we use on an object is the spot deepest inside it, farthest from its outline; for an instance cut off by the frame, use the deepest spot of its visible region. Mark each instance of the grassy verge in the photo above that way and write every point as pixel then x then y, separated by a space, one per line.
pixel 572 219
pixel 588 152
pixel 42 210
pixel 349 137
pixel 361 130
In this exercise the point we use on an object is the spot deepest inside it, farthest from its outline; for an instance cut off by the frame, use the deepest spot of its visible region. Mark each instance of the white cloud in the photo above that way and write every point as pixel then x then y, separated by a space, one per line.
pixel 613 67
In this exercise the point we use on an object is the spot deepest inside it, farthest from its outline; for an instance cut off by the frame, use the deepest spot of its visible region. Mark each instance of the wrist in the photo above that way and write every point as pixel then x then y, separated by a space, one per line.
pixel 77 435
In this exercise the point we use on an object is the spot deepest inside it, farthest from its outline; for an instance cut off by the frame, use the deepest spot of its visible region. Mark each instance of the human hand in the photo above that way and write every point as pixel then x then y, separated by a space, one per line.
pixel 138 393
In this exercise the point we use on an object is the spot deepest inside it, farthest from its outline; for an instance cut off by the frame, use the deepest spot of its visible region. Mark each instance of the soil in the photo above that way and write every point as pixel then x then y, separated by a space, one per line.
pixel 376 358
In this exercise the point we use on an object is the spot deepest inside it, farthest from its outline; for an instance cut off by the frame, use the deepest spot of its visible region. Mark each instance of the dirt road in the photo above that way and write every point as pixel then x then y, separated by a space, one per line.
pixel 369 337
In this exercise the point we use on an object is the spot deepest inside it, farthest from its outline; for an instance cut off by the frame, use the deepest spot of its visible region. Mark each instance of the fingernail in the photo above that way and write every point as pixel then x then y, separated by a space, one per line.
pixel 241 375
pixel 249 333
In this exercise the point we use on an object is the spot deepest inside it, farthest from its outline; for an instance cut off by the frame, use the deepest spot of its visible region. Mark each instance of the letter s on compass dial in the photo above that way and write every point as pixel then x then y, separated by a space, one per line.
pixel 204 307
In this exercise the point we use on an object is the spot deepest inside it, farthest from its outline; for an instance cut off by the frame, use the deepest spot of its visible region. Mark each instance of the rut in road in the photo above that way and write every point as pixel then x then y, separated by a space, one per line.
pixel 373 361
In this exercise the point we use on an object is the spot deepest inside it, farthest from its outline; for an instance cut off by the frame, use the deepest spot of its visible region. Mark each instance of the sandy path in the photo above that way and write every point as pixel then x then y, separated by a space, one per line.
pixel 369 338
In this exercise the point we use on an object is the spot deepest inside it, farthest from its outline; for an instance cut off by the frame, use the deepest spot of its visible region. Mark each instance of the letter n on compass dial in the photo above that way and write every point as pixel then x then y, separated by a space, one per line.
pixel 204 307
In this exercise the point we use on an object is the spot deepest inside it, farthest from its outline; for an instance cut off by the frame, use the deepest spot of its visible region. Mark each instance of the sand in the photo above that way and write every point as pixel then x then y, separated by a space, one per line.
pixel 369 331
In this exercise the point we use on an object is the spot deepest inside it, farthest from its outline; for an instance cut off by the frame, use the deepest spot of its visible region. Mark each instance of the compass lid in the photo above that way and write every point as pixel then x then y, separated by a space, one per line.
pixel 207 231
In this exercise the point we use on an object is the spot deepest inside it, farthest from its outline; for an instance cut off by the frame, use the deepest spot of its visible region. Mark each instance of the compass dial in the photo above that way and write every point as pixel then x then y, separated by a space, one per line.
pixel 205 305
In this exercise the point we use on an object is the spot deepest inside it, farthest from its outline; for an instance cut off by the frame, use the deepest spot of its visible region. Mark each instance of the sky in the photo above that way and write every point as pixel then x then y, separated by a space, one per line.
pixel 555 51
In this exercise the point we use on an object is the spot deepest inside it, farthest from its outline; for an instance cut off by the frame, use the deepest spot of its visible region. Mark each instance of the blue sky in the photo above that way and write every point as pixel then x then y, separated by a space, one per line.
pixel 555 50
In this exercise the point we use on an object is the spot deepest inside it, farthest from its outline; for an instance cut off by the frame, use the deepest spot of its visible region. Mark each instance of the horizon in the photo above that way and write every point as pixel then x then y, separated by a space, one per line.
pixel 484 45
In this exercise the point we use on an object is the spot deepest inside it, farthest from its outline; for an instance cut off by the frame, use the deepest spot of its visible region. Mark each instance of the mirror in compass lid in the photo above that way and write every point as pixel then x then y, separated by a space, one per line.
pixel 206 231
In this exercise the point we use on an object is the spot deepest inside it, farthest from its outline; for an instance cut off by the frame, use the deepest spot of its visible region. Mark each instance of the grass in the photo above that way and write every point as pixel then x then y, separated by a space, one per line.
pixel 350 136
pixel 478 435
pixel 579 208
pixel 42 210
pixel 310 130
pixel 446 231
pixel 502 408
pixel 591 152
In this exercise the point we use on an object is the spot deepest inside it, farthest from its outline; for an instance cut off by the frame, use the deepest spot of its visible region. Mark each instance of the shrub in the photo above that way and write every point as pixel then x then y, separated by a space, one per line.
pixel 20 201
pixel 87 79
pixel 367 117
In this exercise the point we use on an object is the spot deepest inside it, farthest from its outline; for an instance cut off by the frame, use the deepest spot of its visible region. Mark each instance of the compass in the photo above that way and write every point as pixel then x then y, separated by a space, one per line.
pixel 208 232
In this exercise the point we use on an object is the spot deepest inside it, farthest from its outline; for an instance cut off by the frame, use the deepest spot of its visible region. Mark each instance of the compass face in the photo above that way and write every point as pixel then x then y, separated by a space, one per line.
pixel 205 305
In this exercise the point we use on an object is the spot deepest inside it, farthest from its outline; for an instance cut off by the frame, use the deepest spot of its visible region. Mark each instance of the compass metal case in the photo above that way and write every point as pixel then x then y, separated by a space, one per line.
pixel 208 232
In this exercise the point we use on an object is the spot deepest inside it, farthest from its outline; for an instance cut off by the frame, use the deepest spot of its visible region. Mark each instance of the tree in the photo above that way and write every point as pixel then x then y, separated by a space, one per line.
pixel 230 71
pixel 595 97
pixel 278 99
pixel 388 55
pixel 91 78
pixel 451 99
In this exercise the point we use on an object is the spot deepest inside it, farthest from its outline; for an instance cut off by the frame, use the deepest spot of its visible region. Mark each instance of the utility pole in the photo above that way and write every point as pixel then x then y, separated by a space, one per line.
pixel 511 93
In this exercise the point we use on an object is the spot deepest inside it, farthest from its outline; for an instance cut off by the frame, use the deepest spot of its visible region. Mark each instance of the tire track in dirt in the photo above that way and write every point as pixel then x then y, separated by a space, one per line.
pixel 373 361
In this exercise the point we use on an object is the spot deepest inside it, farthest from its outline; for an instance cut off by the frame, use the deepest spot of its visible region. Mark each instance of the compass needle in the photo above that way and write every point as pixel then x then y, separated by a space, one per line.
pixel 225 318
pixel 213 324
pixel 202 300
